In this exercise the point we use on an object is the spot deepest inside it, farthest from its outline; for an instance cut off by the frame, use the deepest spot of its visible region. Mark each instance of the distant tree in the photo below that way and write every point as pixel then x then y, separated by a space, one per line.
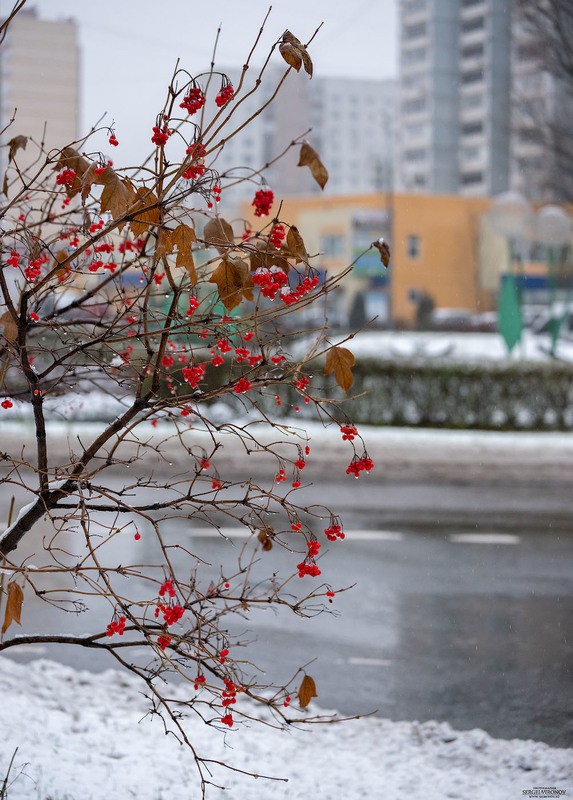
pixel 129 282
pixel 548 25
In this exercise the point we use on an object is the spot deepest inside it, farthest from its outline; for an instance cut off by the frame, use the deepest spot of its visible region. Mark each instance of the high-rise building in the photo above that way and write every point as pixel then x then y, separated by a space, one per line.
pixel 39 80
pixel 466 80
pixel 351 123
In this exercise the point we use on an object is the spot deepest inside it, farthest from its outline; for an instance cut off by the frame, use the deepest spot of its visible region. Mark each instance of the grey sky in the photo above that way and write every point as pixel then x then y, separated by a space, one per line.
pixel 130 46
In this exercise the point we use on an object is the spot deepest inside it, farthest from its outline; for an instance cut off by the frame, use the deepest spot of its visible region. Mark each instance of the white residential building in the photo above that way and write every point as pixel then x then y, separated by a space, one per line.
pixel 351 123
pixel 39 80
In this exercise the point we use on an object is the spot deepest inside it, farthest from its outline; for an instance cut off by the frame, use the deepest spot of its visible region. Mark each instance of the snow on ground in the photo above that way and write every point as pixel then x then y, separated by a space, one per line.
pixel 83 737
pixel 459 347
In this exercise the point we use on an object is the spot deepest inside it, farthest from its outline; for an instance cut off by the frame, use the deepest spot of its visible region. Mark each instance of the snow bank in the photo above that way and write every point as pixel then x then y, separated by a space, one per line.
pixel 83 737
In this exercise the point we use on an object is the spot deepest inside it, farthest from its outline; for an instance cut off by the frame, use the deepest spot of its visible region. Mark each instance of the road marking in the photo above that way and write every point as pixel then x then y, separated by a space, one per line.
pixel 244 533
pixel 484 538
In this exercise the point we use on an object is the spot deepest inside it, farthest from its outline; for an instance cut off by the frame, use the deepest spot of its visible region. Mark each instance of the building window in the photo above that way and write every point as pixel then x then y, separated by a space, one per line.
pixel 470 153
pixel 531 136
pixel 415 56
pixel 418 154
pixel 332 246
pixel 470 178
pixel 414 106
pixel 414 131
pixel 476 24
pixel 415 31
pixel 472 51
pixel 474 76
pixel 413 246
pixel 471 128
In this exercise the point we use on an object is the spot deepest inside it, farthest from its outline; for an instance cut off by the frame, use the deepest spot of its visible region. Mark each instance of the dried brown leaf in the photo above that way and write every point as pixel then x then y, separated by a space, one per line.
pixel 307 691
pixel 295 244
pixel 295 53
pixel 9 327
pixel 339 360
pixel 165 243
pixel 291 55
pixel 143 220
pixel 306 60
pixel 219 234
pixel 117 195
pixel 183 238
pixel 15 144
pixel 382 246
pixel 310 158
pixel 13 605
pixel 266 540
pixel 229 281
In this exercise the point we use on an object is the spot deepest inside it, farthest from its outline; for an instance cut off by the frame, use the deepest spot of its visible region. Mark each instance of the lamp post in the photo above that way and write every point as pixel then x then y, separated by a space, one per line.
pixel 511 216
pixel 554 228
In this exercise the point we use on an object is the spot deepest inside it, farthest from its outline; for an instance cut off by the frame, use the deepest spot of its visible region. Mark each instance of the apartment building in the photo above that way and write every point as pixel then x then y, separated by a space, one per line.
pixel 39 80
pixel 350 122
pixel 472 97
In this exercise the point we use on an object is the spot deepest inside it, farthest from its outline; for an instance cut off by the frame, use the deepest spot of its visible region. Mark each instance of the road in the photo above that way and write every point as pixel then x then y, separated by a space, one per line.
pixel 463 601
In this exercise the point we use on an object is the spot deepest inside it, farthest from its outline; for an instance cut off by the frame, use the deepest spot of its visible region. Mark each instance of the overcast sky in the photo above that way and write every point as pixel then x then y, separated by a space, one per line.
pixel 129 47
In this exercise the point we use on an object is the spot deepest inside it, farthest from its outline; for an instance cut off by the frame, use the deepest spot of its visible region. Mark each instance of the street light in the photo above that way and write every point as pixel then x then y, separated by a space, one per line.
pixel 554 228
pixel 511 216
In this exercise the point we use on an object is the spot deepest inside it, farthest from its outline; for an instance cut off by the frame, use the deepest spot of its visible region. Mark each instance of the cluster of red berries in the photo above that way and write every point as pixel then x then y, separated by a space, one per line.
pixel 171 614
pixel 307 568
pixel 225 94
pixel 348 432
pixel 34 269
pixel 313 548
pixel 197 151
pixel 358 465
pixel 13 260
pixel 227 719
pixel 277 236
pixel 193 305
pixel 163 641
pixel 160 135
pixel 193 101
pixel 167 588
pixel 270 281
pixel 194 374
pixel 229 694
pixel 224 346
pixel 199 681
pixel 113 141
pixel 116 627
pixel 243 385
pixel 66 177
pixel 263 201
pixel 290 296
pixel 334 532
pixel 223 655
pixel 217 193
pixel 6 404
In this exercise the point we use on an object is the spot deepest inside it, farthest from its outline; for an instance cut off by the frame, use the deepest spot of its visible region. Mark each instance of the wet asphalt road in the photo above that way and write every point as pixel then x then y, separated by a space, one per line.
pixel 441 624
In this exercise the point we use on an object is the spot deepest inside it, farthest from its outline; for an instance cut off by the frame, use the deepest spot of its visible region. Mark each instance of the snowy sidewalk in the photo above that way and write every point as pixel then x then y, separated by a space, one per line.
pixel 82 737
pixel 408 453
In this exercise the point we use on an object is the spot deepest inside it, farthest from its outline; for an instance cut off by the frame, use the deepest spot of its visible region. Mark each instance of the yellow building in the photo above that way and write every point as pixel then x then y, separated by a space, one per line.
pixel 435 242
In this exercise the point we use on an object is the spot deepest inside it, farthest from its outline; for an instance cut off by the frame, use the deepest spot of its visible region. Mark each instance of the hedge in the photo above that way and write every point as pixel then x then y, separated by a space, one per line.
pixel 496 396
